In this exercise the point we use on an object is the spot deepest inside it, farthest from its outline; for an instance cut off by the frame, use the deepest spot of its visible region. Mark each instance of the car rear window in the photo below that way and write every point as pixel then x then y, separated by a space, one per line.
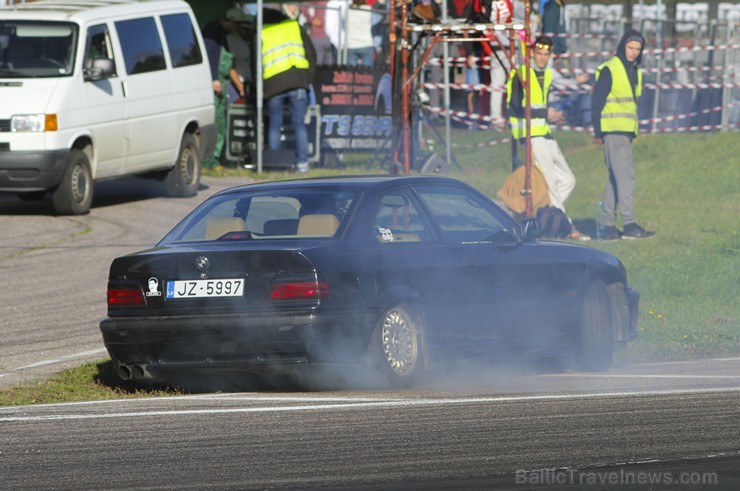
pixel 289 215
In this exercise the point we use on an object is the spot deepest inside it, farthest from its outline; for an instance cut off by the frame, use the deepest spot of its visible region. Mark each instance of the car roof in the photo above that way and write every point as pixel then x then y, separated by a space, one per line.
pixel 358 182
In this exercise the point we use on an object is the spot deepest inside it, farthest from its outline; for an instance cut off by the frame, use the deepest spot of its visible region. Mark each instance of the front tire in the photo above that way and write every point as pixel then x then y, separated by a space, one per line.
pixel 396 347
pixel 183 179
pixel 74 194
pixel 595 347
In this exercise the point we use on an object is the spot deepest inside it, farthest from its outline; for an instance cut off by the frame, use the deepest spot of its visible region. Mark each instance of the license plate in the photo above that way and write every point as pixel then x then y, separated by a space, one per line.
pixel 205 288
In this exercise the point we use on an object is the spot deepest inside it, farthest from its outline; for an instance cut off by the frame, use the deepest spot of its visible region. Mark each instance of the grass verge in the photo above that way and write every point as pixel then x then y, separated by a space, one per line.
pixel 92 381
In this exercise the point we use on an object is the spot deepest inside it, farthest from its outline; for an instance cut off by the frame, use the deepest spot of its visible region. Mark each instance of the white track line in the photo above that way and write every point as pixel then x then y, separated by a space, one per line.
pixel 383 404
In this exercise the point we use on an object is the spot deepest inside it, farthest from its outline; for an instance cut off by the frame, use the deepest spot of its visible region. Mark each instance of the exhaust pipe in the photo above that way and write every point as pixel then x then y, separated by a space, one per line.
pixel 124 371
pixel 140 372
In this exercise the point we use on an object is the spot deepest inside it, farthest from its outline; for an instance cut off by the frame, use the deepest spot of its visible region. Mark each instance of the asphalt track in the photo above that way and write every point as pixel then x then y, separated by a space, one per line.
pixel 653 426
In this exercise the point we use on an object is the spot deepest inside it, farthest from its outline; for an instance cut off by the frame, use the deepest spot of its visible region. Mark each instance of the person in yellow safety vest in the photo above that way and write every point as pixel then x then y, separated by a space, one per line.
pixel 546 152
pixel 288 66
pixel 615 120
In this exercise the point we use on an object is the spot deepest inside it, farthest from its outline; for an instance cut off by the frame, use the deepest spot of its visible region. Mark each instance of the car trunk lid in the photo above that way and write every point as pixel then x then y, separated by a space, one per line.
pixel 185 281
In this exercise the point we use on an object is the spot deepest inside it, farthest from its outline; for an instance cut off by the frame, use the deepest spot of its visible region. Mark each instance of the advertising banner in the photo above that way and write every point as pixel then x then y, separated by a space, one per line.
pixel 350 111
pixel 355 108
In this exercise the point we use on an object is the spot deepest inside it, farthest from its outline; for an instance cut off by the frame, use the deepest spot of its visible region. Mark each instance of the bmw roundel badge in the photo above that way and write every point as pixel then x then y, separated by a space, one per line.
pixel 202 263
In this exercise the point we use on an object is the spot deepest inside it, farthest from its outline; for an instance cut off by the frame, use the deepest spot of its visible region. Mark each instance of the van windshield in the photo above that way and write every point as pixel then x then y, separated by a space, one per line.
pixel 37 49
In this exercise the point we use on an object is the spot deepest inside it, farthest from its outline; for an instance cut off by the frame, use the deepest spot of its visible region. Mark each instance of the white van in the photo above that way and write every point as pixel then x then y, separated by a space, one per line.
pixel 93 90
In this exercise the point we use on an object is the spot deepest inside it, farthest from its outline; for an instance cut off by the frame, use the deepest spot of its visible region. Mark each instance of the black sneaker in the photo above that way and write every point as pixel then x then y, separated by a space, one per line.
pixel 634 231
pixel 611 233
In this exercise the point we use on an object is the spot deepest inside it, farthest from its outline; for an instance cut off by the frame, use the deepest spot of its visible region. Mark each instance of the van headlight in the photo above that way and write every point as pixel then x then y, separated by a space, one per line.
pixel 35 123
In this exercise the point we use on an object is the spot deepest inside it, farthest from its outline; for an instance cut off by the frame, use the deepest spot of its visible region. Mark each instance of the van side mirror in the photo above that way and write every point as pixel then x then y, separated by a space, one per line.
pixel 99 69
pixel 530 229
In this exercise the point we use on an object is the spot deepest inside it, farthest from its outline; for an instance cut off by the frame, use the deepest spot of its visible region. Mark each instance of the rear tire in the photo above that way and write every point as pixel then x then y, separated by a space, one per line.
pixel 595 347
pixel 396 347
pixel 74 194
pixel 183 179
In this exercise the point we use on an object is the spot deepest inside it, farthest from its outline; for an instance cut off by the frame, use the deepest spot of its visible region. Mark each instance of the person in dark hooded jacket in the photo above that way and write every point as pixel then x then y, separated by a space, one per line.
pixel 614 117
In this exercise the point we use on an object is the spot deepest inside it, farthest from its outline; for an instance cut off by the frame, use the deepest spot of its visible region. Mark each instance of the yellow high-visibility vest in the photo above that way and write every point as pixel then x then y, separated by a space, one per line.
pixel 620 110
pixel 538 100
pixel 282 48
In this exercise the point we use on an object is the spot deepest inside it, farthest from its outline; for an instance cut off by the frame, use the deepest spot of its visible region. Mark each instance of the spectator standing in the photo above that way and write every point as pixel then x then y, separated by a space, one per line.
pixel 334 19
pixel 472 81
pixel 552 13
pixel 238 43
pixel 315 17
pixel 549 159
pixel 360 43
pixel 288 66
pixel 223 72
pixel 380 29
pixel 614 117
pixel 499 66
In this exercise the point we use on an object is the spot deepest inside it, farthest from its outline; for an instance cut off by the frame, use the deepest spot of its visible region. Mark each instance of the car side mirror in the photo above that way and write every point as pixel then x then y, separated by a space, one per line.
pixel 530 229
pixel 99 69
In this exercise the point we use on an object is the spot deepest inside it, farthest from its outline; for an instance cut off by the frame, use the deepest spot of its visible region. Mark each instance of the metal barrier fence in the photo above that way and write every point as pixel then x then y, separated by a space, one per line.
pixel 691 73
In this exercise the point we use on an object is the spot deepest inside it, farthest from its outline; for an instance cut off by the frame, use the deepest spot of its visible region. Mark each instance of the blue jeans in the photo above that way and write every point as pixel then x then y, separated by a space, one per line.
pixel 360 56
pixel 298 100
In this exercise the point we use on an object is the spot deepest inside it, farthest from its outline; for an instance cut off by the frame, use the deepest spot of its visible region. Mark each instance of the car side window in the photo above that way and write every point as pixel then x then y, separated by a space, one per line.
pixel 398 220
pixel 463 217
pixel 181 41
pixel 141 45
pixel 98 45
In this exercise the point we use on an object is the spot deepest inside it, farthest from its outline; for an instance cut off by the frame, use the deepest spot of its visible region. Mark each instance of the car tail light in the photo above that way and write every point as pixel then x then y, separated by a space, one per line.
pixel 299 290
pixel 125 297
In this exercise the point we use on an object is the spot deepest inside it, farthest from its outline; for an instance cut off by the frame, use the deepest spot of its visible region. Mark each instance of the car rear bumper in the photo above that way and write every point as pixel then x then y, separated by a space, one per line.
pixel 236 340
pixel 31 171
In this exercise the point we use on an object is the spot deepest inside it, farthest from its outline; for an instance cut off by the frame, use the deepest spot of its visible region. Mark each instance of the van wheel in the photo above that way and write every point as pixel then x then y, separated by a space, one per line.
pixel 74 194
pixel 184 178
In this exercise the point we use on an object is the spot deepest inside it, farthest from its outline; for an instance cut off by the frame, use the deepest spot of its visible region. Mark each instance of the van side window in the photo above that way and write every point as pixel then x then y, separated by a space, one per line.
pixel 181 41
pixel 98 45
pixel 142 48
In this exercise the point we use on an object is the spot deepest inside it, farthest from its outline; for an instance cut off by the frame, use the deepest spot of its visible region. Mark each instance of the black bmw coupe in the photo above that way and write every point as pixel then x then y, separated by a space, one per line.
pixel 396 273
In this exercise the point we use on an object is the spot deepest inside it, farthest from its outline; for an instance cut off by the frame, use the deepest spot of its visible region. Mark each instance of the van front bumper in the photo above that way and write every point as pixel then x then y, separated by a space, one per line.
pixel 32 170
